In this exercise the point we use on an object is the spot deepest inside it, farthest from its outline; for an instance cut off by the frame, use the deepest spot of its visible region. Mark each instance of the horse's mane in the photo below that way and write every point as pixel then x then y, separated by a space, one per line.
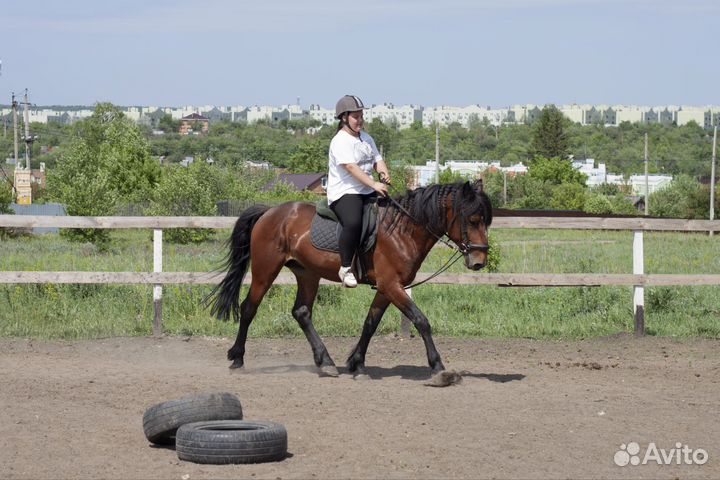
pixel 427 205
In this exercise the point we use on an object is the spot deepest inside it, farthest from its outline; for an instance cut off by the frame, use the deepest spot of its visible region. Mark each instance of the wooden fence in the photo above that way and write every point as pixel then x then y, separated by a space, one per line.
pixel 638 279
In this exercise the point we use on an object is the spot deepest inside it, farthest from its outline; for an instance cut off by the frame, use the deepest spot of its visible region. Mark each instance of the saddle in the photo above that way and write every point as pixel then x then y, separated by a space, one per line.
pixel 325 232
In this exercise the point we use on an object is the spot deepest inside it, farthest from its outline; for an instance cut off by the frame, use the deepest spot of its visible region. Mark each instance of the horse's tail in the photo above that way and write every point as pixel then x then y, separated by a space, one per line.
pixel 224 299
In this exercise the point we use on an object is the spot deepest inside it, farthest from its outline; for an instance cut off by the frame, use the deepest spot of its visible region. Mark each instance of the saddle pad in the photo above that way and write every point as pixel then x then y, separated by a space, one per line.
pixel 324 234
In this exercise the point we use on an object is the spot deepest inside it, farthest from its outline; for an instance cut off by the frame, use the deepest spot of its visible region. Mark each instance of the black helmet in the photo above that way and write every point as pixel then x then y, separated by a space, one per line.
pixel 348 103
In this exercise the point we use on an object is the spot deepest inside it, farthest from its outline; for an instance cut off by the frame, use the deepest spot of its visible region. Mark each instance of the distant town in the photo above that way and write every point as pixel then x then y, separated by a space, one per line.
pixel 402 116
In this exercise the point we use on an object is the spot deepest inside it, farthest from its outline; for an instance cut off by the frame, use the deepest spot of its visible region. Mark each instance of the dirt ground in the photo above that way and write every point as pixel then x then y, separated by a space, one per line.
pixel 525 409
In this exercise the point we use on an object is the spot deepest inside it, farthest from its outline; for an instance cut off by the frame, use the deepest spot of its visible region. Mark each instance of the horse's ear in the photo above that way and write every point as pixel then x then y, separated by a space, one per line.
pixel 468 191
pixel 478 185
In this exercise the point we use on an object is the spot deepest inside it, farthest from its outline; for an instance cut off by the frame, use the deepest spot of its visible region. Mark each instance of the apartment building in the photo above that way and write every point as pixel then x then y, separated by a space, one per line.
pixel 404 116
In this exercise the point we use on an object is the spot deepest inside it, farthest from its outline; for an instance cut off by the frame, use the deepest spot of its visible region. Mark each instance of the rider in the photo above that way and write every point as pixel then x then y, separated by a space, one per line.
pixel 352 157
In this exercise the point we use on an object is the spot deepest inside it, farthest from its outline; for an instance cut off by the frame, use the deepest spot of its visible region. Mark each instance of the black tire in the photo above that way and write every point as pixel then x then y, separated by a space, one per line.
pixel 231 441
pixel 161 421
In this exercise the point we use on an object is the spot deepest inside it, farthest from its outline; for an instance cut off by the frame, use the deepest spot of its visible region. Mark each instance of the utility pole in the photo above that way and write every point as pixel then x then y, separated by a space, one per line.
pixel 28 140
pixel 712 179
pixel 15 127
pixel 437 152
pixel 647 188
pixel 504 187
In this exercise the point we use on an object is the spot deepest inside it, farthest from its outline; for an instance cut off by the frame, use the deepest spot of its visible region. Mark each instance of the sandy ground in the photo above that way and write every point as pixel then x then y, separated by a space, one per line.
pixel 525 409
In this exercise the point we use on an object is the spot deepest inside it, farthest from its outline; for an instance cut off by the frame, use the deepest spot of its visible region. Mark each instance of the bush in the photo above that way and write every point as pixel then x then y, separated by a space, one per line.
pixel 5 201
pixel 185 192
pixel 568 196
pixel 598 205
pixel 683 198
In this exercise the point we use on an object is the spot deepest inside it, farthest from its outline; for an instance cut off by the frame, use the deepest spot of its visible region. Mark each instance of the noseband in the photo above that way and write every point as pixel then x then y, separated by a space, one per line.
pixel 465 246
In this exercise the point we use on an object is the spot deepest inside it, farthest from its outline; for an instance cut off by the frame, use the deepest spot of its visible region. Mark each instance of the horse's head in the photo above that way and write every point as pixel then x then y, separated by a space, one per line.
pixel 471 217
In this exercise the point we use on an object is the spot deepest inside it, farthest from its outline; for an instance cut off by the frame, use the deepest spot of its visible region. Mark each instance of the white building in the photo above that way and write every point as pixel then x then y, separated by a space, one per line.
pixel 424 175
pixel 389 114
pixel 655 183
pixel 599 175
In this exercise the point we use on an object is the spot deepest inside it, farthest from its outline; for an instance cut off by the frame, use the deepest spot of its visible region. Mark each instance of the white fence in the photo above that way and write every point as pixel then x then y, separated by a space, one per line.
pixel 638 279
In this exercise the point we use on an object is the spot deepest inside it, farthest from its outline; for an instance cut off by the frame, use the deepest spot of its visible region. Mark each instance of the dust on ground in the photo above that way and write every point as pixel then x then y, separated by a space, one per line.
pixel 525 409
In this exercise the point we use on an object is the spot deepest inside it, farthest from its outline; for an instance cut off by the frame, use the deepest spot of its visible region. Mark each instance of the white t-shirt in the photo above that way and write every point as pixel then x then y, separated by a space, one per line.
pixel 346 148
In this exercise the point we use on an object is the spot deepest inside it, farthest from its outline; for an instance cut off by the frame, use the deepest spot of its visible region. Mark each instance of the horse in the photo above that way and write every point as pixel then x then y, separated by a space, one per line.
pixel 409 225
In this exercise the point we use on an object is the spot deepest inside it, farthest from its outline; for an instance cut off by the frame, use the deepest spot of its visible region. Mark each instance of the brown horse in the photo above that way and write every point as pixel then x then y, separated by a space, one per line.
pixel 408 227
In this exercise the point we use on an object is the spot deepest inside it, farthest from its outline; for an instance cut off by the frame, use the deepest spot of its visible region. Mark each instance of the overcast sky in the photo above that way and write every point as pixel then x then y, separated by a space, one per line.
pixel 429 52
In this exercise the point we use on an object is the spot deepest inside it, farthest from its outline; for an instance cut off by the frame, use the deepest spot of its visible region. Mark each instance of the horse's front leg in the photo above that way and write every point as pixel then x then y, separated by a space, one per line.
pixel 399 297
pixel 356 360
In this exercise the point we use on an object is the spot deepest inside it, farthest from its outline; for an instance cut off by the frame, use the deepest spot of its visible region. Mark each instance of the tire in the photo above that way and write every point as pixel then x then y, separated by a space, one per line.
pixel 231 441
pixel 161 421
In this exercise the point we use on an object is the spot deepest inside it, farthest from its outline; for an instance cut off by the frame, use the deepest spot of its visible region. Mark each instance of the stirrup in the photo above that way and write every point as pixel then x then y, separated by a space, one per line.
pixel 347 278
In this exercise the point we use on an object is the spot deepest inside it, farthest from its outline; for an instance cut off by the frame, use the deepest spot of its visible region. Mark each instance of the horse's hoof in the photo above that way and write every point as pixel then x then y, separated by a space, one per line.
pixel 329 371
pixel 236 364
pixel 445 378
pixel 361 377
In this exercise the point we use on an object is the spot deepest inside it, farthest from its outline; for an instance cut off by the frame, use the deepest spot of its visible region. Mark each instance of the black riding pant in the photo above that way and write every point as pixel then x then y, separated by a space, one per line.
pixel 349 210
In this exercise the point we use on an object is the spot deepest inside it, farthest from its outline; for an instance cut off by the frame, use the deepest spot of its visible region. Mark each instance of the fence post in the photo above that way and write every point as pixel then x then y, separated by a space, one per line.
pixel 639 291
pixel 157 289
pixel 405 322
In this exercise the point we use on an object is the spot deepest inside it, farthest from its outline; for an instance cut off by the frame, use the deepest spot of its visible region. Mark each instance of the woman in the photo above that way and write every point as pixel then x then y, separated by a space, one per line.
pixel 352 157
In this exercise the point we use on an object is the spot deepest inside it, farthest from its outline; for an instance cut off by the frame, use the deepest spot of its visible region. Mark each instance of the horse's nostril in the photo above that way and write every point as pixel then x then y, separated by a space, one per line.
pixel 478 266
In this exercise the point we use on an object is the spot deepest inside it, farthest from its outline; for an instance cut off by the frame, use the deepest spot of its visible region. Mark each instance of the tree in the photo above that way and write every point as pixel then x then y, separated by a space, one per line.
pixel 106 165
pixel 555 171
pixel 310 156
pixel 168 125
pixel 186 192
pixel 568 196
pixel 683 198
pixel 548 136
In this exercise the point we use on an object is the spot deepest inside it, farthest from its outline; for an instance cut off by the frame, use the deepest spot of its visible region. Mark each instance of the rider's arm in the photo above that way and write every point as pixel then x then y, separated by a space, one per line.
pixel 363 178
pixel 382 170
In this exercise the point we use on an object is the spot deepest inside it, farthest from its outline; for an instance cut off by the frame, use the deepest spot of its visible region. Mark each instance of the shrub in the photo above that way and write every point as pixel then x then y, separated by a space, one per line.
pixel 185 192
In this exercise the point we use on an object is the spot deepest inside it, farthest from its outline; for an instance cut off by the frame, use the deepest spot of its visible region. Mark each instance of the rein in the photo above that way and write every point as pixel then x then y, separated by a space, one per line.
pixel 458 250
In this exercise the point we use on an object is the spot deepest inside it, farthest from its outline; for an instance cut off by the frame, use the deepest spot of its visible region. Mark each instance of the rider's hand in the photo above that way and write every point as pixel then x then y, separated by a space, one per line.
pixel 385 178
pixel 380 188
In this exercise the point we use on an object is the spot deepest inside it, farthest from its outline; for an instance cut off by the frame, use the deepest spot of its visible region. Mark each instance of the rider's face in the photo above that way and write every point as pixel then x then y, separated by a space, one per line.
pixel 355 120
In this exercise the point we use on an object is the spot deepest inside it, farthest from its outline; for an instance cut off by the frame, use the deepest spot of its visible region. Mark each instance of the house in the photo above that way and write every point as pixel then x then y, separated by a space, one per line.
pixel 194 123
pixel 309 182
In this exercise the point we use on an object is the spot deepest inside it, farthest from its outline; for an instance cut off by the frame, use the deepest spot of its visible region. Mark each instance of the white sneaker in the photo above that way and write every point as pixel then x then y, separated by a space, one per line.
pixel 347 278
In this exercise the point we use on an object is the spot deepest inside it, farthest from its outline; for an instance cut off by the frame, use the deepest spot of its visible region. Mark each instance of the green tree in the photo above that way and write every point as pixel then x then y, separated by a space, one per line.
pixel 683 198
pixel 107 164
pixel 555 171
pixel 548 136
pixel 568 196
pixel 186 192
pixel 168 125
pixel 5 201
pixel 310 156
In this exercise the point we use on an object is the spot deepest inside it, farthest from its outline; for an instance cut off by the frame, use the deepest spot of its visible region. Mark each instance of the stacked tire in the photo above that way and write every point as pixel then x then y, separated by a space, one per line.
pixel 210 429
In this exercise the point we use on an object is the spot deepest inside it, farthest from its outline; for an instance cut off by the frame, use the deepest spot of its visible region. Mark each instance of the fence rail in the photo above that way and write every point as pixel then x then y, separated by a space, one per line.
pixel 638 279
pixel 566 223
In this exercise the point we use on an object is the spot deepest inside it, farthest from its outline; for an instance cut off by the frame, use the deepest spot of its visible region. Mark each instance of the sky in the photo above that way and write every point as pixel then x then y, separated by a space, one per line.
pixel 494 53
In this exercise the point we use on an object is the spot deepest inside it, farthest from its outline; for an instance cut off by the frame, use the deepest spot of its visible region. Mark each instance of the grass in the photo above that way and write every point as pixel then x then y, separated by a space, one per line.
pixel 50 311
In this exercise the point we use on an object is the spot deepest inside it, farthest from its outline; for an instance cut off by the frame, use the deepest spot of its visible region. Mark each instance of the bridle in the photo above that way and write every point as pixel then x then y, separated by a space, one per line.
pixel 459 250
pixel 465 246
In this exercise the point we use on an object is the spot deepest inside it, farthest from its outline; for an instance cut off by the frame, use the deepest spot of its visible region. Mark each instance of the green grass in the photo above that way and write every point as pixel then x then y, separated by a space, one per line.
pixel 90 311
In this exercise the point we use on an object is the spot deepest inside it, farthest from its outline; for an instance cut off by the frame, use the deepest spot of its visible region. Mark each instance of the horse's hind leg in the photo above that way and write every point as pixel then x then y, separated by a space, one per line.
pixel 302 312
pixel 262 279
pixel 356 360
